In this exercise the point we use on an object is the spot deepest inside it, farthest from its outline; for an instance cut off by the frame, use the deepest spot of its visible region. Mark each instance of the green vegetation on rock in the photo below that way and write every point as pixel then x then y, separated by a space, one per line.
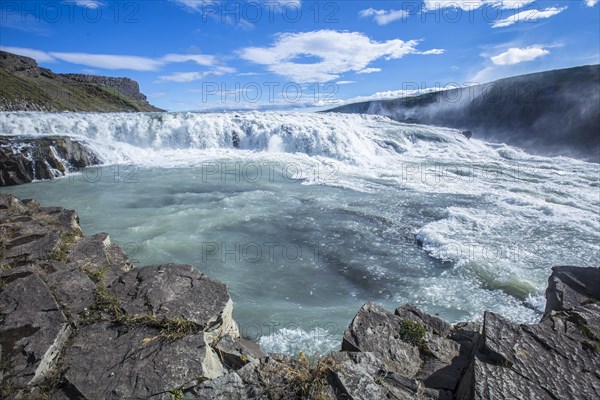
pixel 27 87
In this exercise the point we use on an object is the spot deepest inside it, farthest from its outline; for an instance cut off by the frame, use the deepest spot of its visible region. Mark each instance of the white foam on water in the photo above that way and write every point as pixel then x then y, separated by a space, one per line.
pixel 293 341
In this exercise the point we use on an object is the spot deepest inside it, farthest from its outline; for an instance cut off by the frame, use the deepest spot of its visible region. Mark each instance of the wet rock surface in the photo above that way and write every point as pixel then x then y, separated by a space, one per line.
pixel 78 321
pixel 23 159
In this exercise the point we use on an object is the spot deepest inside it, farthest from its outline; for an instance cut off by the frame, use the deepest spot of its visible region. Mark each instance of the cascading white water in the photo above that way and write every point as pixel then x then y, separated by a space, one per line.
pixel 355 139
pixel 307 216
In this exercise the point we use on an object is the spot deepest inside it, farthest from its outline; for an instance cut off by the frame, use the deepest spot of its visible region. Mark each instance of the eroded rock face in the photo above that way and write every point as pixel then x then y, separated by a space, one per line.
pixel 558 358
pixel 237 352
pixel 572 287
pixel 127 87
pixel 410 354
pixel 77 321
pixel 173 291
pixel 113 362
pixel 33 329
pixel 23 160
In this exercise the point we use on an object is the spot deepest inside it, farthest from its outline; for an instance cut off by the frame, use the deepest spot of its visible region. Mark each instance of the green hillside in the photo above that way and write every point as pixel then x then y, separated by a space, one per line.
pixel 26 87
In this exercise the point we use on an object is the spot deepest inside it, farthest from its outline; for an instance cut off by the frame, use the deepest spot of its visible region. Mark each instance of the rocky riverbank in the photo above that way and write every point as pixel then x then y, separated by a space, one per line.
pixel 25 159
pixel 78 321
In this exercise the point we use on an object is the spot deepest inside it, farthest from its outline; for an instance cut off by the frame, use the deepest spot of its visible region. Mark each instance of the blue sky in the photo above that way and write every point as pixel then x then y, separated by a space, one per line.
pixel 262 54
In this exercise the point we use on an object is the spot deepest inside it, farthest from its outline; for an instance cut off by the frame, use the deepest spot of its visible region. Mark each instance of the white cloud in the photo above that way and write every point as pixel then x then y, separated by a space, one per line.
pixel 194 5
pixel 112 61
pixel 339 52
pixel 395 94
pixel 516 55
pixel 462 4
pixel 469 5
pixel 212 6
pixel 200 59
pixel 109 61
pixel 344 82
pixel 528 15
pixel 93 4
pixel 182 77
pixel 383 17
pixel 591 3
pixel 369 70
pixel 432 51
pixel 39 56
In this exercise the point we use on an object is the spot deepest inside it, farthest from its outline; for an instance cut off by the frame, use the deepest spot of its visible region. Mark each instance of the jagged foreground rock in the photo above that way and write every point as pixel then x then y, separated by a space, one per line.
pixel 77 321
pixel 24 160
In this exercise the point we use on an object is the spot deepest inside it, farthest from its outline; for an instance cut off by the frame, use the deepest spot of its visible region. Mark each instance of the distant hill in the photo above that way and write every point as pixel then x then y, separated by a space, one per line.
pixel 24 86
pixel 552 113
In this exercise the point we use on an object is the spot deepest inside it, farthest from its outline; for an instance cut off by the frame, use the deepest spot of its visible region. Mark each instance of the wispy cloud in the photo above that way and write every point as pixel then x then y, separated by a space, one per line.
pixel 368 71
pixel 432 51
pixel 469 5
pixel 182 77
pixel 529 15
pixel 338 52
pixel 522 14
pixel 201 59
pixel 212 6
pixel 93 4
pixel 591 3
pixel 395 94
pixel 516 55
pixel 113 61
pixel 40 56
pixel 383 17
pixel 109 61
pixel 194 5
pixel 344 82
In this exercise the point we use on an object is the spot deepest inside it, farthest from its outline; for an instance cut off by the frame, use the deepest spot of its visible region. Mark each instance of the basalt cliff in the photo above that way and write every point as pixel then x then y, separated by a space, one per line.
pixel 27 87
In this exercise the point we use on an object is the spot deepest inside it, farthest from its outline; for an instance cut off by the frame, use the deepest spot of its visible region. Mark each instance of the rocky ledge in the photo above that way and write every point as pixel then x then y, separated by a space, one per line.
pixel 25 159
pixel 78 321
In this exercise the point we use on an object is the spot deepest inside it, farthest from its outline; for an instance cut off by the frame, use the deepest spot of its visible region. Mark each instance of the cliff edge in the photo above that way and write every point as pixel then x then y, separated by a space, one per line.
pixel 28 87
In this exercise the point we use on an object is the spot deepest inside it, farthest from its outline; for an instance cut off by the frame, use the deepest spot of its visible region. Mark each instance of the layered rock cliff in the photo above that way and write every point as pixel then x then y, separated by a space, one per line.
pixel 28 87
pixel 78 321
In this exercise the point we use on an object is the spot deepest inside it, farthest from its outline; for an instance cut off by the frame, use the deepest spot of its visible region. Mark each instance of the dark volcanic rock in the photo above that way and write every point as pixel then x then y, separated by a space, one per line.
pixel 237 352
pixel 558 358
pixel 173 291
pixel 227 387
pixel 62 333
pixel 571 287
pixel 282 377
pixel 96 255
pixel 373 329
pixel 111 362
pixel 23 160
pixel 33 329
pixel 425 356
